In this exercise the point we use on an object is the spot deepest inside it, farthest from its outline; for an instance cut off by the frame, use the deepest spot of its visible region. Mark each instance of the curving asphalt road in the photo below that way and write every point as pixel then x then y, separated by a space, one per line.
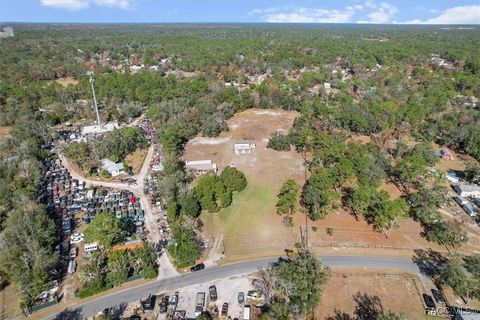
pixel 224 271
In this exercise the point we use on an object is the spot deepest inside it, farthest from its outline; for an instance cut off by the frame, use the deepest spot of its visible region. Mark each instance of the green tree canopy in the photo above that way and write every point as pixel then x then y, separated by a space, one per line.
pixel 288 197
pixel 106 229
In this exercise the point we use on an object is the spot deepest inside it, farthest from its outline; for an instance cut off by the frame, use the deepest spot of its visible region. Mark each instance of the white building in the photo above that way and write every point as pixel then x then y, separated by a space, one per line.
pixel 107 127
pixel 113 168
pixel 244 147
pixel 201 166
pixel 89 247
pixel 467 190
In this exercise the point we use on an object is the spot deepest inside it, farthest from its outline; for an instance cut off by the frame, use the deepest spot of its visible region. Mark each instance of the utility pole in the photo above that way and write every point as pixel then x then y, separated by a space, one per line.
pixel 92 81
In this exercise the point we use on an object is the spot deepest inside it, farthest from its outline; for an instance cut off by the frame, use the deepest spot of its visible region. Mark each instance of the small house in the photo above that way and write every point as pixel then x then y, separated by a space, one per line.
pixel 114 169
pixel 201 166
pixel 467 190
pixel 445 154
pixel 244 147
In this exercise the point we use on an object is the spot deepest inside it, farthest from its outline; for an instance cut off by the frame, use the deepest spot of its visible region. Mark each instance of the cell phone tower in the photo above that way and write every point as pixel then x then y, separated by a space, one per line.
pixel 92 81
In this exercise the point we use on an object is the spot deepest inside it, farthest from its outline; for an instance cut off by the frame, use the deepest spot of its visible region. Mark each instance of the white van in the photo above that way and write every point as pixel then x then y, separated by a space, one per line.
pixel 246 312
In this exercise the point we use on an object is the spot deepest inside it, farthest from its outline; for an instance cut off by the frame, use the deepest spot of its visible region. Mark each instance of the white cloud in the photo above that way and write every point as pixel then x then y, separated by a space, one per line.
pixel 122 4
pixel 455 15
pixel 371 11
pixel 306 15
pixel 72 5
pixel 75 5
pixel 172 12
pixel 383 14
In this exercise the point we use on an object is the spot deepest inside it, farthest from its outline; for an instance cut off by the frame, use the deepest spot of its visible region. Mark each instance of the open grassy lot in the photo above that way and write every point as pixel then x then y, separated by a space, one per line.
pixel 251 227
pixel 395 292
pixel 135 159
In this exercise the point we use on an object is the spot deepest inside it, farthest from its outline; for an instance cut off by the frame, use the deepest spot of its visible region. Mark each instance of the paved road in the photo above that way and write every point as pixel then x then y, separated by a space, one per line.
pixel 225 271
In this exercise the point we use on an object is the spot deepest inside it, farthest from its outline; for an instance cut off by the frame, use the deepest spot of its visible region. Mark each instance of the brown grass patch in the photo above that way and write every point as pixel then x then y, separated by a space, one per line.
pixel 135 159
pixel 397 293
pixel 5 131
pixel 66 81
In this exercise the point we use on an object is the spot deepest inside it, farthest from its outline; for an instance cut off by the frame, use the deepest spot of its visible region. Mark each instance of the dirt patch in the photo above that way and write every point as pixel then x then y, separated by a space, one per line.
pixel 359 139
pixel 135 159
pixel 5 132
pixel 396 292
pixel 266 166
pixel 66 81
pixel 391 189
pixel 349 232
pixel 459 162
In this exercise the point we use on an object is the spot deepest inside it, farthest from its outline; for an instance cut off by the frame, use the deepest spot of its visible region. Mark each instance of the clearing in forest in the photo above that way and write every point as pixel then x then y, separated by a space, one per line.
pixel 250 226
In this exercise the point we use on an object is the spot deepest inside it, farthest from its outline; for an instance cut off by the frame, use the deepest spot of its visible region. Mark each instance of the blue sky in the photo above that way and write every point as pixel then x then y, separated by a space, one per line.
pixel 321 11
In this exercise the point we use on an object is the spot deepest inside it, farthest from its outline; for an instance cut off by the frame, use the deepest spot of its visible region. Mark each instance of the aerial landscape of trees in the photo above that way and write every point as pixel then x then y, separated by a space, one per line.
pixel 383 86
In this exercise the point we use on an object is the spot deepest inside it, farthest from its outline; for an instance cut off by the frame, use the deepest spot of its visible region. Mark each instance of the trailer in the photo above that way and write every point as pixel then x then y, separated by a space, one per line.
pixel 246 312
pixel 199 303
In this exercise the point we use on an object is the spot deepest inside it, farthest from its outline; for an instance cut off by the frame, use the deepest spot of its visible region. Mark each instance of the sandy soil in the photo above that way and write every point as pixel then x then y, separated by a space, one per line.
pixel 5 131
pixel 66 81
pixel 396 292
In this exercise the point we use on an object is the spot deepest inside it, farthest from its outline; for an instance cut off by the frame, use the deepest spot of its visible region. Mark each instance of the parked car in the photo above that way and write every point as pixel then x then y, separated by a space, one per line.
pixel 174 301
pixel 439 298
pixel 213 293
pixel 73 252
pixel 241 298
pixel 256 282
pixel 225 309
pixel 76 238
pixel 430 307
pixel 198 267
pixel 164 304
pixel 253 294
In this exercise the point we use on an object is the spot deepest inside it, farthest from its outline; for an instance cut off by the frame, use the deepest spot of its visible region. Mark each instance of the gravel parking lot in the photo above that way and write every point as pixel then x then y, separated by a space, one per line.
pixel 227 291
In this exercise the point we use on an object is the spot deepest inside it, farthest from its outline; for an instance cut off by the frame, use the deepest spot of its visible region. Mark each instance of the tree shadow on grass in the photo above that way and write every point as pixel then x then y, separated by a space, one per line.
pixel 369 307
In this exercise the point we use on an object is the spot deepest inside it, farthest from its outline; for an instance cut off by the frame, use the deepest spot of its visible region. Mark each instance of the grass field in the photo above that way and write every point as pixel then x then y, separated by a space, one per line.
pixel 243 224
pixel 135 159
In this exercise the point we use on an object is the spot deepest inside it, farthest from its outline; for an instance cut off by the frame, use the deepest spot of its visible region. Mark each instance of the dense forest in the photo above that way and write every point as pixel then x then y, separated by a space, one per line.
pixel 384 81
